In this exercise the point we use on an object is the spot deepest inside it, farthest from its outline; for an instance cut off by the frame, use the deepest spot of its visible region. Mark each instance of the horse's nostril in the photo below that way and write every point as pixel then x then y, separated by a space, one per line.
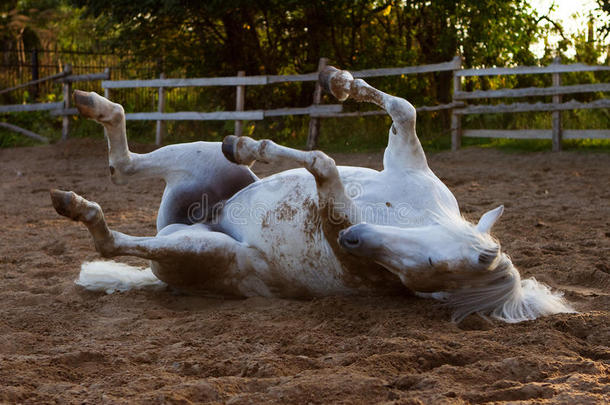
pixel 351 241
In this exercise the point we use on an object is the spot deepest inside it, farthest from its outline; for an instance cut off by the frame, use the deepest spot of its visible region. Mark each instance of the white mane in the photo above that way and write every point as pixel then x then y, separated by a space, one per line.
pixel 499 292
pixel 506 297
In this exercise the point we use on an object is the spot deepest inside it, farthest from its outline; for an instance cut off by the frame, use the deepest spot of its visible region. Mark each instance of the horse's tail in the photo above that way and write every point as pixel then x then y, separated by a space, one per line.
pixel 505 296
pixel 110 276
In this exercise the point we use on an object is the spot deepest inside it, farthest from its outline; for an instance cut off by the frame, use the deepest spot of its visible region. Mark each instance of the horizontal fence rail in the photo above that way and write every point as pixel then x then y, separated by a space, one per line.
pixel 61 108
pixel 537 133
pixel 63 74
pixel 105 75
pixel 557 133
pixel 533 91
pixel 250 115
pixel 264 80
pixel 528 70
pixel 525 107
pixel 31 107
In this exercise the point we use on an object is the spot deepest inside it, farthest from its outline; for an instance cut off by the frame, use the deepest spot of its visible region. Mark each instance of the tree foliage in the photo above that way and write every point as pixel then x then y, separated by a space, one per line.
pixel 272 36
pixel 43 24
pixel 604 8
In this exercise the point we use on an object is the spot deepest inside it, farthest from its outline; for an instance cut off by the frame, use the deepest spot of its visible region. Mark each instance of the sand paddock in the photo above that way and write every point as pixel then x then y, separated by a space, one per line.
pixel 60 343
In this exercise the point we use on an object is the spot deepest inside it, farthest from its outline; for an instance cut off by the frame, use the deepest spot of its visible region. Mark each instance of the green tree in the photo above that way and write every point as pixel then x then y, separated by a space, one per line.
pixel 266 36
pixel 220 37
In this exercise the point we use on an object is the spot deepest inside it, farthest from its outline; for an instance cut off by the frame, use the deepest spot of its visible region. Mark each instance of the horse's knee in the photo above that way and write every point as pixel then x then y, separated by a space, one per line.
pixel 322 166
pixel 116 115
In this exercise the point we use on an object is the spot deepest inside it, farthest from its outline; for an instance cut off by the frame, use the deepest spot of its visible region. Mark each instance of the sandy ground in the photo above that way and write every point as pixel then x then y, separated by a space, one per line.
pixel 59 343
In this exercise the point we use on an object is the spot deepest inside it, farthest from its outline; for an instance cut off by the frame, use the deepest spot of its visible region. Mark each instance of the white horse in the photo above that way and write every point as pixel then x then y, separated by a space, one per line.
pixel 316 231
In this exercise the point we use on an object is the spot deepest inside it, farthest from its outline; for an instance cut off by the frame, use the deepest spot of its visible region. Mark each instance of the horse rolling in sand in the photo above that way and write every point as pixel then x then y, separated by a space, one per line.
pixel 314 231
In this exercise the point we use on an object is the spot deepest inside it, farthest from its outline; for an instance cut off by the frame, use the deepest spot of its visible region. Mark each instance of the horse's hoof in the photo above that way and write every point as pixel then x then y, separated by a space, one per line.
pixel 61 202
pixel 75 207
pixel 228 148
pixel 336 82
pixel 83 100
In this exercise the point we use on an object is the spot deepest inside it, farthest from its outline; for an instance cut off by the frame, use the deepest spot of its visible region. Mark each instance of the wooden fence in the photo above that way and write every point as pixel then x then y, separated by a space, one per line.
pixel 557 133
pixel 62 108
pixel 317 111
pixel 17 66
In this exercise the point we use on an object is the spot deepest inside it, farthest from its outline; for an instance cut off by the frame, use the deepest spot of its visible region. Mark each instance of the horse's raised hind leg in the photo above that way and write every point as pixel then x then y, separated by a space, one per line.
pixel 334 203
pixel 111 243
pixel 404 149
pixel 186 256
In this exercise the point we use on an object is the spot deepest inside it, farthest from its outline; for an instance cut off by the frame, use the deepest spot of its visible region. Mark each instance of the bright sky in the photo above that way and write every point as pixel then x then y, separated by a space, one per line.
pixel 572 14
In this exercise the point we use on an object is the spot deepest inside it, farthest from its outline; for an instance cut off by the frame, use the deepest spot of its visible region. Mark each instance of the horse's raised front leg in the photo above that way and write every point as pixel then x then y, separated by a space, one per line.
pixel 185 256
pixel 404 149
pixel 334 203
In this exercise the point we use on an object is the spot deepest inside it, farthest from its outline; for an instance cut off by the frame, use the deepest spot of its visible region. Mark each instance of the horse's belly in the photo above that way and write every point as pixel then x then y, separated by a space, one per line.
pixel 287 229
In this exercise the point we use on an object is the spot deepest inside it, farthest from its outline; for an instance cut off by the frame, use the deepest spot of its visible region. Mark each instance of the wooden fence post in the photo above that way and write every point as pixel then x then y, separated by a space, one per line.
pixel 314 122
pixel 240 101
pixel 160 108
pixel 67 93
pixel 107 90
pixel 456 119
pixel 556 115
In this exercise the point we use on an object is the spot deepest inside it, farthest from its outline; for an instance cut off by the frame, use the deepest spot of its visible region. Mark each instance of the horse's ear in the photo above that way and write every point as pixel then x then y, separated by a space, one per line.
pixel 489 219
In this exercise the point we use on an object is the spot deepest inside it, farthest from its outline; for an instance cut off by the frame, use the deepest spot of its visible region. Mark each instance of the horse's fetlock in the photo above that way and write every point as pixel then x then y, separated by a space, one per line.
pixel 92 213
pixel 246 150
pixel 118 109
pixel 359 90
pixel 401 110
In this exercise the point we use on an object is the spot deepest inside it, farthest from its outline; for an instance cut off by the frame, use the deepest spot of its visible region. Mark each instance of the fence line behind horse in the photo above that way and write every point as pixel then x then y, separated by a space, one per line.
pixel 315 110
pixel 557 133
pixel 159 91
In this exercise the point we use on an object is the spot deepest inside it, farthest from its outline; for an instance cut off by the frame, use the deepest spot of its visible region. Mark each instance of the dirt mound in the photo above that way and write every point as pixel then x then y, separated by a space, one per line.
pixel 61 343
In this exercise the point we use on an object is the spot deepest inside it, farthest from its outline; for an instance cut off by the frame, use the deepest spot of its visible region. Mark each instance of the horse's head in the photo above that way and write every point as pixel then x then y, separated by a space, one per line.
pixel 451 248
pixel 459 260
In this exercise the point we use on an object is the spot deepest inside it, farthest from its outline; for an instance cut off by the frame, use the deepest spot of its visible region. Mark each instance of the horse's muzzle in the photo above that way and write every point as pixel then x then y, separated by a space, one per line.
pixel 349 239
